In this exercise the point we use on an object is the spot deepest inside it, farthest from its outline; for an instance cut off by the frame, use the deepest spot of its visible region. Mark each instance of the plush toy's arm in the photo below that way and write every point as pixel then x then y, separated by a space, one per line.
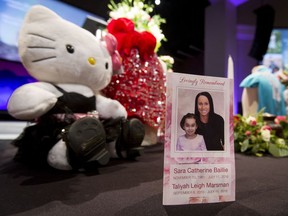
pixel 109 108
pixel 32 100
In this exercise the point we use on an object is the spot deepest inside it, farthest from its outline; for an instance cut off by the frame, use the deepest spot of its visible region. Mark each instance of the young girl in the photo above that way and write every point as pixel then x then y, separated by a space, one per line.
pixel 190 141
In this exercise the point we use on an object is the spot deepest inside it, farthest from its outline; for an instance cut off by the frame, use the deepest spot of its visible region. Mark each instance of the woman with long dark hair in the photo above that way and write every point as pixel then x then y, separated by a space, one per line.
pixel 211 125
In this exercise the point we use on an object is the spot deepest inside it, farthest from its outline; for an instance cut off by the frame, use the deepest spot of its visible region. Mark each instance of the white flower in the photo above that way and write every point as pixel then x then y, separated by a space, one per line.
pixel 167 59
pixel 251 120
pixel 156 31
pixel 266 135
pixel 281 142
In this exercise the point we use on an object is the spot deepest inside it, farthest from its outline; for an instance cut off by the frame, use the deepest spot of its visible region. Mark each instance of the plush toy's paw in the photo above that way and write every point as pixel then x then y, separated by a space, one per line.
pixel 109 108
pixel 31 101
pixel 57 157
pixel 86 138
pixel 115 110
pixel 128 144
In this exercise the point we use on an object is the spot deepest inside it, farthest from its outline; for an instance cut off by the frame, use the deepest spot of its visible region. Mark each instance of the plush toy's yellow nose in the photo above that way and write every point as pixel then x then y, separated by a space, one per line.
pixel 92 60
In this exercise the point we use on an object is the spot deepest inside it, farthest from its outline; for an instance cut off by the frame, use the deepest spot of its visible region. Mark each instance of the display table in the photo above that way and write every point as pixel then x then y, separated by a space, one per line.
pixel 135 188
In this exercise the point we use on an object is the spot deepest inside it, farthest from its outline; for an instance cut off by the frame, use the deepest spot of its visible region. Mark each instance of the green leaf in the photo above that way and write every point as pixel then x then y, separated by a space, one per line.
pixel 259 154
pixel 255 149
pixel 244 145
pixel 278 152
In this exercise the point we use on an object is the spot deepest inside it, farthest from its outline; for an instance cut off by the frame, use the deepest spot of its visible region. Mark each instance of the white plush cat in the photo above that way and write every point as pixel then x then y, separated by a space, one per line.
pixel 71 66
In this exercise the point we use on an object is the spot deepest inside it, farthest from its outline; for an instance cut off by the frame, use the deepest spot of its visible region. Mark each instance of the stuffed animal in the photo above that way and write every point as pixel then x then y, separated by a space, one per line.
pixel 262 90
pixel 74 126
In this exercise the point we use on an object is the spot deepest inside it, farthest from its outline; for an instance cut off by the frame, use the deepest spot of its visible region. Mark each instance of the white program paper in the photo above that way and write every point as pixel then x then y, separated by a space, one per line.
pixel 194 175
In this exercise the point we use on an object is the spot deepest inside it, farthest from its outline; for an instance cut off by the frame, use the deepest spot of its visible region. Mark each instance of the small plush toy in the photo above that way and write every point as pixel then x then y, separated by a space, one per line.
pixel 262 90
pixel 73 125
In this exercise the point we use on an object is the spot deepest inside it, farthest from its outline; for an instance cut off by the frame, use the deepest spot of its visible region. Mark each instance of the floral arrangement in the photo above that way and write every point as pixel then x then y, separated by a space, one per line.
pixel 142 82
pixel 253 135
pixel 139 13
pixel 168 60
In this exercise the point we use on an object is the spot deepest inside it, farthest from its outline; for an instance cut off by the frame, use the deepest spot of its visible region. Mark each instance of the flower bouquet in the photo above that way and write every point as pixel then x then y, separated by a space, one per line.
pixel 141 87
pixel 257 136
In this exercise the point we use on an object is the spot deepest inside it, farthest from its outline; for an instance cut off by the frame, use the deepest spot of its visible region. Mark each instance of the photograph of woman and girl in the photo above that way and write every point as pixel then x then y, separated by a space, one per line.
pixel 208 125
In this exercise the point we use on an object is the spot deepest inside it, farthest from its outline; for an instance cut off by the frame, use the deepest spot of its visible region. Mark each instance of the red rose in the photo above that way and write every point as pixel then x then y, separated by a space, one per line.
pixel 279 119
pixel 128 38
pixel 236 118
pixel 266 127
pixel 248 133
pixel 121 25
pixel 121 41
pixel 147 44
pixel 253 122
pixel 131 41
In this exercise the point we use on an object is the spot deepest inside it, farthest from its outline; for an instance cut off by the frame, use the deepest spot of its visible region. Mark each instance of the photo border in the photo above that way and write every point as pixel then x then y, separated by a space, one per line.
pixel 177 105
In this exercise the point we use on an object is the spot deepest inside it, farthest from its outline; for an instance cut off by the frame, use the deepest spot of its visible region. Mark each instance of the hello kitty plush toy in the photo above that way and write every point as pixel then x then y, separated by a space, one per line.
pixel 74 126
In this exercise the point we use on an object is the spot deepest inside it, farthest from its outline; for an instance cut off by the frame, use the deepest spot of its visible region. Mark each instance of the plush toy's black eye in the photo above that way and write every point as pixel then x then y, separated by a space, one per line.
pixel 70 48
pixel 106 65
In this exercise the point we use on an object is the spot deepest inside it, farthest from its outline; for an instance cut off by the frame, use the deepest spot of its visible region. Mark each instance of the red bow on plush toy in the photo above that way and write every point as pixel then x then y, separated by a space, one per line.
pixel 111 44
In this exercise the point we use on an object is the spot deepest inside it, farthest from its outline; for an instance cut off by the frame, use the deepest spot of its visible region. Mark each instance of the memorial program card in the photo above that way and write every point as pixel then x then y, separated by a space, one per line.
pixel 199 164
